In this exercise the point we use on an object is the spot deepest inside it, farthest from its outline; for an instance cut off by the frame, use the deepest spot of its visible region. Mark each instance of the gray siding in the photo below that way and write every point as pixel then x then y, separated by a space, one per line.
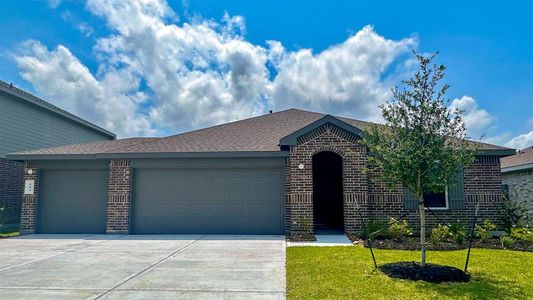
pixel 24 126
pixel 520 186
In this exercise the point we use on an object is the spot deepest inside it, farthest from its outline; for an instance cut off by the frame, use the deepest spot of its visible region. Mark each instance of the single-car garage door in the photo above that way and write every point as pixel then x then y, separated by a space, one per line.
pixel 72 201
pixel 209 200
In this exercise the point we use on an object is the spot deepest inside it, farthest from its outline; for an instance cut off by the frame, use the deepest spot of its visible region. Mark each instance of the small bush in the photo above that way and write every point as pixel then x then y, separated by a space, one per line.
pixel 441 233
pixel 522 233
pixel 506 241
pixel 483 231
pixel 399 229
pixel 459 232
pixel 513 212
pixel 374 225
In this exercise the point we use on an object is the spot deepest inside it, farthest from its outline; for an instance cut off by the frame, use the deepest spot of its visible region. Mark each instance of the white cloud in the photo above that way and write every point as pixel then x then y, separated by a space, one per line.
pixel 153 74
pixel 111 101
pixel 54 3
pixel 85 29
pixel 530 122
pixel 477 120
pixel 521 141
pixel 345 78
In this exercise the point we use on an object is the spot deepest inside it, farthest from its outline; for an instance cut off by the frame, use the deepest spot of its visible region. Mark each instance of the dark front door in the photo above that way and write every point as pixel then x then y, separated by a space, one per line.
pixel 327 191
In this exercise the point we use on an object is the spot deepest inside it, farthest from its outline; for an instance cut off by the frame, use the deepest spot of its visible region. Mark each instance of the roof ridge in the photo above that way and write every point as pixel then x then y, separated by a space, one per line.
pixel 151 139
pixel 232 122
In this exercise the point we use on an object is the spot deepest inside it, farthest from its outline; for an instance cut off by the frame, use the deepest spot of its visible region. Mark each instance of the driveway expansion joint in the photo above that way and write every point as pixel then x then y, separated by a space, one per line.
pixel 134 275
pixel 57 254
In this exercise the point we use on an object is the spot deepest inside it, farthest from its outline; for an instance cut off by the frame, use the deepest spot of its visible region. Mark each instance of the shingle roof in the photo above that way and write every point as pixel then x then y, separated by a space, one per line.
pixel 88 148
pixel 25 96
pixel 261 133
pixel 523 157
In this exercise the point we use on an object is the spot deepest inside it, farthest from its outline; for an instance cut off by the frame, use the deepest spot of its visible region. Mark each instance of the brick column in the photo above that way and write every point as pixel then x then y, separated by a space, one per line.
pixel 29 202
pixel 119 197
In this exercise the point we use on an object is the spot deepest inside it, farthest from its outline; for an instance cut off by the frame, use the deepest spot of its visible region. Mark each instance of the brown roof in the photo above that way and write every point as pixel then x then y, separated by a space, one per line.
pixel 87 148
pixel 521 158
pixel 261 133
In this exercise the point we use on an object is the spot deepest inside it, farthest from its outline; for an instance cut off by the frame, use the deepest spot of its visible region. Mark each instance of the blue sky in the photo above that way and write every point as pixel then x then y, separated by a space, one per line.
pixel 214 63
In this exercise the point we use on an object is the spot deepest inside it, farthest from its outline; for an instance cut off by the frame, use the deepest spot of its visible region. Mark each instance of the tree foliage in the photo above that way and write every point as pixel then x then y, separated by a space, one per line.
pixel 424 141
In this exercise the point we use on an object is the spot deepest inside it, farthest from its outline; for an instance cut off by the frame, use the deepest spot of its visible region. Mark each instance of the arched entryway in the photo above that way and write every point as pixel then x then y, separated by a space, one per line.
pixel 327 192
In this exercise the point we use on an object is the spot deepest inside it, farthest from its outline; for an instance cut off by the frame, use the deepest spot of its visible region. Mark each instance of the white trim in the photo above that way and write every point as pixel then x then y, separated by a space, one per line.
pixel 446 200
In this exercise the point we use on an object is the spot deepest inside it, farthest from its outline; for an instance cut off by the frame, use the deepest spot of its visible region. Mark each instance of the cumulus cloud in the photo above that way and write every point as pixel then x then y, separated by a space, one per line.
pixel 477 120
pixel 111 101
pixel 521 141
pixel 343 79
pixel 164 76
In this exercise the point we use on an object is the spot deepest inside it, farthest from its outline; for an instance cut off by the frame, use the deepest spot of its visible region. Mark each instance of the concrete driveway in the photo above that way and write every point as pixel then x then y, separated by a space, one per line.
pixel 142 267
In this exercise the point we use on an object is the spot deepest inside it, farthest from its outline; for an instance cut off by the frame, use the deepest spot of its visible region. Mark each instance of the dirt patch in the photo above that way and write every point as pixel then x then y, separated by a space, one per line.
pixel 413 243
pixel 430 272
pixel 300 237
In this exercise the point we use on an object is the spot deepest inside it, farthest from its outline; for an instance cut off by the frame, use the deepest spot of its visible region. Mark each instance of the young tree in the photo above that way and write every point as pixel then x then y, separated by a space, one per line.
pixel 424 142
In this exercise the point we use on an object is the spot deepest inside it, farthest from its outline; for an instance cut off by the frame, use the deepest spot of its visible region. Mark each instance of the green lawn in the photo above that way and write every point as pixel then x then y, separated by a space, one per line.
pixel 348 273
pixel 9 234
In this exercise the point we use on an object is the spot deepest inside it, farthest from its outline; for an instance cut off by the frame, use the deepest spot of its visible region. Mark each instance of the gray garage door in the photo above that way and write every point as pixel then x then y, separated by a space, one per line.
pixel 240 201
pixel 72 201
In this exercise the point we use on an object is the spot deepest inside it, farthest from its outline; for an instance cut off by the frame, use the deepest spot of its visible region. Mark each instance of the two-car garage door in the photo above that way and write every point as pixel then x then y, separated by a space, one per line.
pixel 208 200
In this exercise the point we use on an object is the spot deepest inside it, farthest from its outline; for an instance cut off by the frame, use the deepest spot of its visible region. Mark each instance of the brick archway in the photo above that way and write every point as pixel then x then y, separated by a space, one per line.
pixel 299 181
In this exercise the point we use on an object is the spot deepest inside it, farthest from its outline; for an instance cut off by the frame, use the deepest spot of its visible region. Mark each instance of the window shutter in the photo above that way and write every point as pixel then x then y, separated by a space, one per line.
pixel 410 201
pixel 456 190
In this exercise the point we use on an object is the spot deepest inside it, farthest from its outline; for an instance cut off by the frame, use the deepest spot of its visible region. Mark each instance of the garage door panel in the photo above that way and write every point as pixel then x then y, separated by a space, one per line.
pixel 72 201
pixel 208 201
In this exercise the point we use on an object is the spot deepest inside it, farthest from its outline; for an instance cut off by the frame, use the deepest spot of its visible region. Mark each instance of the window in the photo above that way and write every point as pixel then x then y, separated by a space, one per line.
pixel 437 200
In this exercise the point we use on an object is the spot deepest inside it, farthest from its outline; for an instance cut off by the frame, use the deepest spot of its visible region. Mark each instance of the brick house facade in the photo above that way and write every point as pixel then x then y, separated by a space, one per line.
pixel 290 155
pixel 364 189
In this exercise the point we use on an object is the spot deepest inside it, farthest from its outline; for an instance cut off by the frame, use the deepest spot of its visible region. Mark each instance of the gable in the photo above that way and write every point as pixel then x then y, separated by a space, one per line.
pixel 326 124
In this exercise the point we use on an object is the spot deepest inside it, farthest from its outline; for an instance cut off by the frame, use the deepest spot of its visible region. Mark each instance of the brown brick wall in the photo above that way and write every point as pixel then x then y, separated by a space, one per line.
pixel 29 202
pixel 482 181
pixel 119 197
pixel 300 181
pixel 11 180
pixel 364 187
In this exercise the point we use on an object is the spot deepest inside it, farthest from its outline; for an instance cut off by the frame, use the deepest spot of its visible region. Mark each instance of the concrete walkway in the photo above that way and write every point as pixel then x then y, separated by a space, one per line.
pixel 324 240
pixel 142 267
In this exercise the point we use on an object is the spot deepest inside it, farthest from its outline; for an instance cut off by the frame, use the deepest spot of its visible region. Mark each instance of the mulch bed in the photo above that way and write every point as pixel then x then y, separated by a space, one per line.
pixel 413 243
pixel 430 272
pixel 301 237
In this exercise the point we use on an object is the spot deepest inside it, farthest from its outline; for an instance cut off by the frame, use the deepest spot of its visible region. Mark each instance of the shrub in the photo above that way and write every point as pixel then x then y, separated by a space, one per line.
pixel 513 212
pixel 506 241
pixel 399 229
pixel 522 233
pixel 374 225
pixel 483 231
pixel 440 233
pixel 459 232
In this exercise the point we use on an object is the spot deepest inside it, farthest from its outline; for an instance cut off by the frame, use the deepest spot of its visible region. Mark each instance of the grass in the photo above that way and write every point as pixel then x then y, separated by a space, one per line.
pixel 9 234
pixel 8 231
pixel 348 273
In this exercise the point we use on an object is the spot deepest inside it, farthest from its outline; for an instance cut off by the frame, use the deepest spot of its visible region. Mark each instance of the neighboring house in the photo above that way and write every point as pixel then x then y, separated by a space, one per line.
pixel 517 176
pixel 27 122
pixel 287 172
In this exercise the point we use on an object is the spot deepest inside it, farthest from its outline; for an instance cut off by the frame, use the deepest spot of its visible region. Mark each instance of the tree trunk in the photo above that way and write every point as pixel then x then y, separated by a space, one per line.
pixel 422 212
